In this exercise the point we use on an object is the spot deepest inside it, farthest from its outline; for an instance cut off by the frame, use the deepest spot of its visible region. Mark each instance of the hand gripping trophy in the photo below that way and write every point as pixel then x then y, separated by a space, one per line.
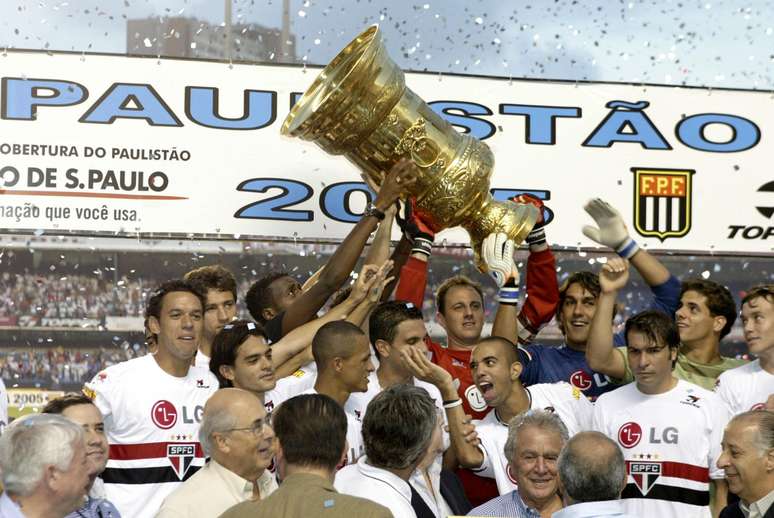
pixel 359 107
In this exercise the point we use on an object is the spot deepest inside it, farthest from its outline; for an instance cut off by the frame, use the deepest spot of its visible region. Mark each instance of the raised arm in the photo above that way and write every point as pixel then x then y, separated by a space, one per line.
pixel 600 348
pixel 497 253
pixel 612 232
pixel 341 263
pixel 464 439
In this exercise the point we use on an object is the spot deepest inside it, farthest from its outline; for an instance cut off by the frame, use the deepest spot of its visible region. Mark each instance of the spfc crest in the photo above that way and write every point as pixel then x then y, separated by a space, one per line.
pixel 181 456
pixel 645 474
pixel 662 202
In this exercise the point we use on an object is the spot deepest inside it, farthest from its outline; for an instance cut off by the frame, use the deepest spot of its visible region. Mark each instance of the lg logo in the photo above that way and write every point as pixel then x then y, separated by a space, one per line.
pixel 629 434
pixel 164 414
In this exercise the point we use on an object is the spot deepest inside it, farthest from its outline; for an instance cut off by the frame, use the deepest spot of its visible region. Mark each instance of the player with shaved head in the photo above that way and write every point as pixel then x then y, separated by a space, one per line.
pixel 496 364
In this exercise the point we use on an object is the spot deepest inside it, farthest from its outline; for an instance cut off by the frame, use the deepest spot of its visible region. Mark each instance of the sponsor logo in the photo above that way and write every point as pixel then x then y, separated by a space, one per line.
pixel 475 399
pixel 662 202
pixel 456 363
pixel 629 434
pixel 164 414
pixel 181 456
pixel 750 232
pixel 645 474
pixel 581 379
pixel 200 384
pixel 691 400
pixel 768 211
pixel 269 406
pixel 357 415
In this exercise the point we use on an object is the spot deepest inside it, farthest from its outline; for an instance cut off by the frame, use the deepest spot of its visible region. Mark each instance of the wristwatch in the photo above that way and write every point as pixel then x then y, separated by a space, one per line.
pixel 371 210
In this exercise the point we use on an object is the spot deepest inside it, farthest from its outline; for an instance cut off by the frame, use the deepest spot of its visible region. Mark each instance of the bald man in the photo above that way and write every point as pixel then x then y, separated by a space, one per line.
pixel 236 434
pixel 343 358
pixel 592 473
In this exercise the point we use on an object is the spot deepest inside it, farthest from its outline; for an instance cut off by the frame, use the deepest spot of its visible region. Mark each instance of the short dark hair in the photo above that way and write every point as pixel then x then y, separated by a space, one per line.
pixel 312 430
pixel 153 308
pixel 212 277
pixel 589 281
pixel 398 426
pixel 334 339
pixel 62 403
pixel 226 343
pixel 259 296
pixel 659 327
pixel 453 282
pixel 386 318
pixel 765 291
pixel 719 300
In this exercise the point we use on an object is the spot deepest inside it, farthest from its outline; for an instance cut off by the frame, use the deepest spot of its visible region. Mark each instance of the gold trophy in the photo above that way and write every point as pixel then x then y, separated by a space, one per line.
pixel 359 107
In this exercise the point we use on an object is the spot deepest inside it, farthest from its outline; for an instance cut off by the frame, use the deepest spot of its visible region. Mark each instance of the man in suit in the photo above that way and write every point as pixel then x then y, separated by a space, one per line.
pixel 311 431
pixel 748 462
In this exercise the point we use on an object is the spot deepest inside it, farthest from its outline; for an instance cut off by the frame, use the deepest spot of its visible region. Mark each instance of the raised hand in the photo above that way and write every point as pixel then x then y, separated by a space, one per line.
pixel 614 275
pixel 497 252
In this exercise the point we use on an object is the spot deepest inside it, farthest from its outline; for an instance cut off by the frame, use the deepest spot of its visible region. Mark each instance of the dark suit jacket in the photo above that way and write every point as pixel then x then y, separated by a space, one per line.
pixel 734 511
pixel 304 495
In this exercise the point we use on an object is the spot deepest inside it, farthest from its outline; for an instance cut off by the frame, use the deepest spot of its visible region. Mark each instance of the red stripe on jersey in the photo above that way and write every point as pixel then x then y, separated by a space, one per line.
pixel 151 450
pixel 678 470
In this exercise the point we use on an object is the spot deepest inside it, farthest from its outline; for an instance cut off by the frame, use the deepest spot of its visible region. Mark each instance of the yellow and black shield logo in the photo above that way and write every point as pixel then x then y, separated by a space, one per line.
pixel 662 202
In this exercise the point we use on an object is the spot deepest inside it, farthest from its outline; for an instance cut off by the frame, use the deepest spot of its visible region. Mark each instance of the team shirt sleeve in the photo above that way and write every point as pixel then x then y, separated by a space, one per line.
pixel 725 394
pixel 99 390
pixel 719 416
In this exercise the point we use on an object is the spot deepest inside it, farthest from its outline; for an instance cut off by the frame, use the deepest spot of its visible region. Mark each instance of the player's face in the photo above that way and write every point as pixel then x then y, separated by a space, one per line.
pixel 284 291
pixel 253 369
pixel 356 368
pixel 463 316
pixel 651 363
pixel 758 322
pixel 534 467
pixel 407 333
pixel 219 310
pixel 576 313
pixel 72 484
pixel 694 321
pixel 90 418
pixel 251 447
pixel 745 465
pixel 179 326
pixel 491 373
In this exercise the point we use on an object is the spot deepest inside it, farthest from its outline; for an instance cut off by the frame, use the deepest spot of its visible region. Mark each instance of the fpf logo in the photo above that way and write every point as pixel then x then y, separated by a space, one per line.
pixel 662 202
pixel 581 379
pixel 629 434
pixel 164 414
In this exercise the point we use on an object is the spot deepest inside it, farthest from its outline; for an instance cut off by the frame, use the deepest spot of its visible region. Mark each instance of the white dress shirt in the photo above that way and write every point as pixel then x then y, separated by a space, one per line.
pixel 377 485
pixel 9 508
pixel 211 491
pixel 604 509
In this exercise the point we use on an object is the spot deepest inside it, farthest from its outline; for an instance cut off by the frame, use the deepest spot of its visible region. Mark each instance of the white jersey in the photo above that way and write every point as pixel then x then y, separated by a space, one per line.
pixel 358 401
pixel 670 443
pixel 297 383
pixel 201 360
pixel 3 406
pixel 566 401
pixel 152 425
pixel 745 388
pixel 355 448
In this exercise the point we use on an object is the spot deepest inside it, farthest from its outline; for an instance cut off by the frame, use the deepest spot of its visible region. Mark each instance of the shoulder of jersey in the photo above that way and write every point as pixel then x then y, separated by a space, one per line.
pixel 559 389
pixel 120 370
pixel 203 372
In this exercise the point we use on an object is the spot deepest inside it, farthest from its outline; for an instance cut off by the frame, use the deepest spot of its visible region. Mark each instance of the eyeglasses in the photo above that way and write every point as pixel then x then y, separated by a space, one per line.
pixel 256 428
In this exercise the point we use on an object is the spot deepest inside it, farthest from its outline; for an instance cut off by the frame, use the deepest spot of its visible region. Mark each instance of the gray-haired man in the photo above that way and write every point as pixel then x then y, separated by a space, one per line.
pixel 592 473
pixel 44 467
